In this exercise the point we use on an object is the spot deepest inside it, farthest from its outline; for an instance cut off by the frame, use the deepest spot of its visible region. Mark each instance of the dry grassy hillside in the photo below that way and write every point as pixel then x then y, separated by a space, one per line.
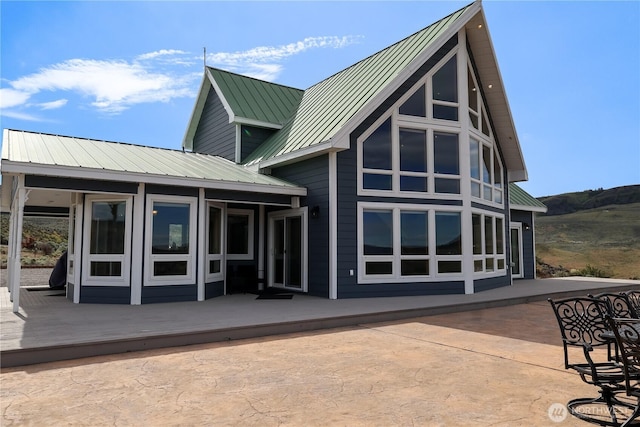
pixel 603 241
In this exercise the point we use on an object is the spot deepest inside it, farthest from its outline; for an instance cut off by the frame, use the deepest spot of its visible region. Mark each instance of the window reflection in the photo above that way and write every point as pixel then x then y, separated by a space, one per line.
pixel 170 228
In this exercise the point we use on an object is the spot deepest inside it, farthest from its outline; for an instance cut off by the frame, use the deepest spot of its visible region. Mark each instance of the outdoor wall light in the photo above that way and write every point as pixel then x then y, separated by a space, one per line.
pixel 527 226
pixel 315 211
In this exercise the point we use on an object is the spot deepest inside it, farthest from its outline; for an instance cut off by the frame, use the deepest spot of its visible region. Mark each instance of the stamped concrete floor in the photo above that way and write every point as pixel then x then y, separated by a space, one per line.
pixel 498 366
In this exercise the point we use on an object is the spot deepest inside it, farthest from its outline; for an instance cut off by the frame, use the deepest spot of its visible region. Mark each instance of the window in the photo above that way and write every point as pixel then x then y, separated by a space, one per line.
pixel 485 172
pixel 172 240
pixel 376 158
pixel 488 243
pixel 449 242
pixel 446 162
pixel 413 160
pixel 421 161
pixel 444 85
pixel 108 232
pixel 404 243
pixel 414 150
pixel 415 105
pixel 239 234
pixel 477 109
pixel 214 244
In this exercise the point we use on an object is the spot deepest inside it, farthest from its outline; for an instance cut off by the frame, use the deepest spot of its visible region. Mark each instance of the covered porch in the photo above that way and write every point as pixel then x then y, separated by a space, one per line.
pixel 149 225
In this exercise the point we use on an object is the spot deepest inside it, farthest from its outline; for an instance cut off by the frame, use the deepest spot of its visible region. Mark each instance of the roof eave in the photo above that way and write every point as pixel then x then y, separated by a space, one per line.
pixel 340 139
pixel 11 167
pixel 196 114
pixel 479 39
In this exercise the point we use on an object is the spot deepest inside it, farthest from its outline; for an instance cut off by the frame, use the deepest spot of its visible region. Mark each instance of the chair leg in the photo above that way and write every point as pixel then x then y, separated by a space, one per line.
pixel 601 410
pixel 633 416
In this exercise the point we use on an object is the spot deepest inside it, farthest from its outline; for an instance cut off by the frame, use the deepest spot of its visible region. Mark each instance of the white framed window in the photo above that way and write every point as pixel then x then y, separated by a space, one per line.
pixel 409 160
pixel 170 240
pixel 488 243
pixel 215 243
pixel 414 149
pixel 486 172
pixel 240 234
pixel 107 240
pixel 408 242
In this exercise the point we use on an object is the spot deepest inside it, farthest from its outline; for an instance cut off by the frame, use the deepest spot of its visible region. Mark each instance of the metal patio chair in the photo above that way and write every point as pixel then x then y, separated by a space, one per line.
pixel 619 306
pixel 627 333
pixel 583 326
pixel 634 299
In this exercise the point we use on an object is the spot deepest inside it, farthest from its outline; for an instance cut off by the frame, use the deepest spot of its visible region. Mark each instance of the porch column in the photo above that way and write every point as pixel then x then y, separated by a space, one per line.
pixel 202 249
pixel 261 249
pixel 137 246
pixel 17 211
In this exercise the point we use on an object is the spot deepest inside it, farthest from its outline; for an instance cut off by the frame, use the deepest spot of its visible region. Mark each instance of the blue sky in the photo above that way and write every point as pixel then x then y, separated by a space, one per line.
pixel 130 71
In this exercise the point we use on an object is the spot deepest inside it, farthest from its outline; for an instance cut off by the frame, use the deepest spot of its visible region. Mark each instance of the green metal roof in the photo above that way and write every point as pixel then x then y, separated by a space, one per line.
pixel 328 105
pixel 257 100
pixel 520 199
pixel 64 156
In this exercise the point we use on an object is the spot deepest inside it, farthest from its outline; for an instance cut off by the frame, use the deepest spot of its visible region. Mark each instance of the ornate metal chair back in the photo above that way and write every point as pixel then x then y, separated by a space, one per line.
pixel 627 332
pixel 581 321
pixel 618 305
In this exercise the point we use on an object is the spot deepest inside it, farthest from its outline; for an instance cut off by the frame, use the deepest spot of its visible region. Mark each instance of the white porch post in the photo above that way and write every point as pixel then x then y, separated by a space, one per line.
pixel 261 249
pixel 333 225
pixel 202 233
pixel 17 208
pixel 137 249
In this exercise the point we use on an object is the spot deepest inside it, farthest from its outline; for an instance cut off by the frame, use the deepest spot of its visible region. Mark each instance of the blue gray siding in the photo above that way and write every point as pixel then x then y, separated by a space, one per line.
pixel 214 134
pixel 105 294
pixel 251 137
pixel 154 294
pixel 314 175
pixel 348 286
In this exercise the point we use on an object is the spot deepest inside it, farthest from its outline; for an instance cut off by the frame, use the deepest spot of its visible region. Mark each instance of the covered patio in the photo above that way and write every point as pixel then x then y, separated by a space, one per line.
pixel 145 224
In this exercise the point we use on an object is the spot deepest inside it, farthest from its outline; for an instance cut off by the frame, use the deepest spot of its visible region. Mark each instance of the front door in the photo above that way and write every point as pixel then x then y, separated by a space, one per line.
pixel 287 249
pixel 516 251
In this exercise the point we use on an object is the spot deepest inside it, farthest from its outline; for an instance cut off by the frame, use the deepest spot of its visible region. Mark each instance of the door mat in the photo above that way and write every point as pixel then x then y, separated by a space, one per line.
pixel 275 296
pixel 41 288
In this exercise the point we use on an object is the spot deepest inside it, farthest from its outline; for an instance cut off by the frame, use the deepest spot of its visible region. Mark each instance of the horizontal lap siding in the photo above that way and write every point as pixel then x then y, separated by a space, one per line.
pixel 105 294
pixel 252 138
pixel 214 134
pixel 491 283
pixel 314 175
pixel 169 293
pixel 348 286
pixel 215 289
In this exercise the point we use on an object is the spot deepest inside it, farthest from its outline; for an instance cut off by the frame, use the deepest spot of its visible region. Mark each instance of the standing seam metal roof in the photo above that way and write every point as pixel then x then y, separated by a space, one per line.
pixel 35 152
pixel 258 100
pixel 328 105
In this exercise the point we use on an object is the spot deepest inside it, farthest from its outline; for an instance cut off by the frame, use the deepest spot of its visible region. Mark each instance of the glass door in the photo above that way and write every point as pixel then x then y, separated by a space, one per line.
pixel 287 249
pixel 516 251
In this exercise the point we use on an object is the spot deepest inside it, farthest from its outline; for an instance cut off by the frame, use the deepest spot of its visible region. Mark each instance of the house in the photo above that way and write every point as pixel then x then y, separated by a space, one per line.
pixel 395 176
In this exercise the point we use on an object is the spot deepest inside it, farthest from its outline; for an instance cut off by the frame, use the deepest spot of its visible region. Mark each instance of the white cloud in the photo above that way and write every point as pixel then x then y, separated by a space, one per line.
pixel 113 85
pixel 22 116
pixel 159 53
pixel 263 60
pixel 11 98
pixel 53 104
